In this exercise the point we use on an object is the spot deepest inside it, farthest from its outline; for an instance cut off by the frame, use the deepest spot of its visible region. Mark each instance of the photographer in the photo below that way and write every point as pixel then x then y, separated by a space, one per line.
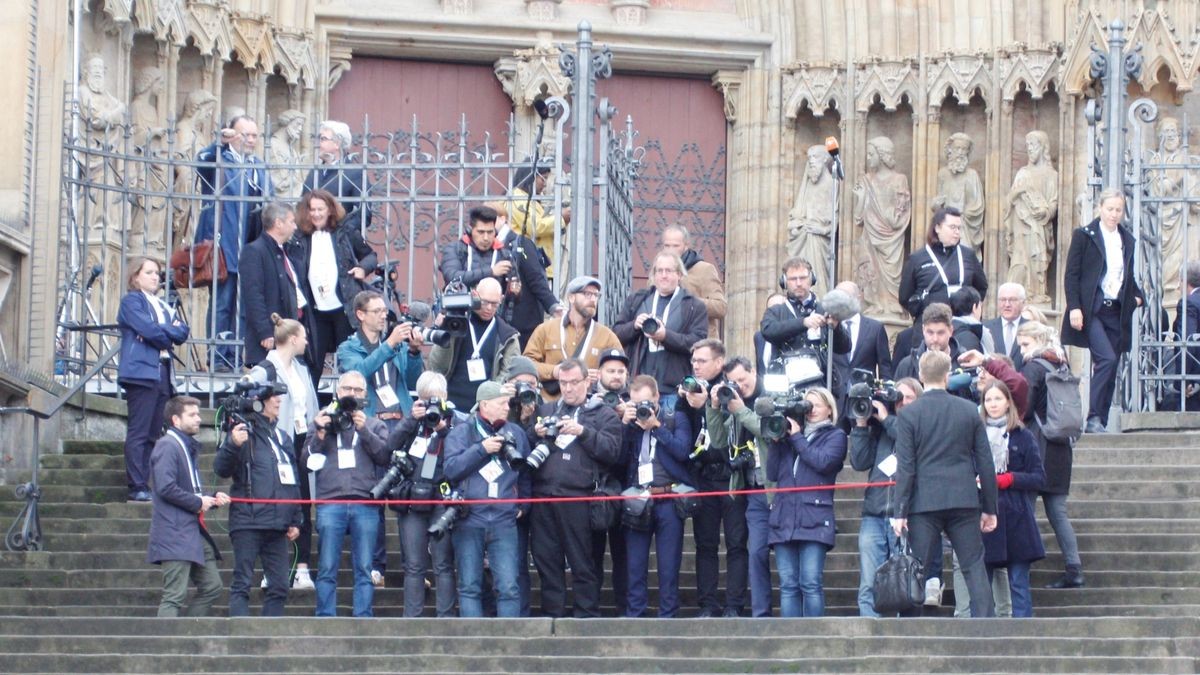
pixel 523 385
pixel 736 436
pixel 612 380
pixel 421 437
pixel 655 448
pixel 484 353
pixel 527 293
pixel 260 460
pixel 800 323
pixel 871 441
pixel 612 390
pixel 479 254
pixel 577 335
pixel 578 441
pixel 344 449
pixel 390 364
pixel 477 464
pixel 993 367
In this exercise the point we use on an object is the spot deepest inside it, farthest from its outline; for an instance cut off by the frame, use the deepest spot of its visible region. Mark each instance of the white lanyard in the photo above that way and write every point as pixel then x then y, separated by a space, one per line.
pixel 277 440
pixel 666 310
pixel 942 271
pixel 476 345
pixel 194 476
pixel 562 338
pixel 471 257
pixel 353 442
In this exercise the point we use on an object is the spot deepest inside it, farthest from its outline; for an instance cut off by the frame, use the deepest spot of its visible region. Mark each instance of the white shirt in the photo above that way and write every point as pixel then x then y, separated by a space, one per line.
pixel 1114 260
pixel 854 323
pixel 1010 334
pixel 323 271
pixel 296 381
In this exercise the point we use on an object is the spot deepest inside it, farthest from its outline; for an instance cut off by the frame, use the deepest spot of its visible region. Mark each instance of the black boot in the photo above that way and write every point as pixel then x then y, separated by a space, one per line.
pixel 1072 578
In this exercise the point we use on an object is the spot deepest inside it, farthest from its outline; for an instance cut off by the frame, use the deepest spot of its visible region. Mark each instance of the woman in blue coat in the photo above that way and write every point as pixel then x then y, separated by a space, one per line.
pixel 149 330
pixel 1016 542
pixel 802 529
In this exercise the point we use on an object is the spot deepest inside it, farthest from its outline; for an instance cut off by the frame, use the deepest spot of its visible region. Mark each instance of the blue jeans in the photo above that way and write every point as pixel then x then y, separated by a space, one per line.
pixel 1056 512
pixel 499 542
pixel 758 513
pixel 225 307
pixel 1018 585
pixel 333 522
pixel 801 571
pixel 668 545
pixel 876 541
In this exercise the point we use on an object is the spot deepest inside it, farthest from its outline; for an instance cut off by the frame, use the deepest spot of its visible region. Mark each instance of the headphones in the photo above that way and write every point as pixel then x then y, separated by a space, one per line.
pixel 783 275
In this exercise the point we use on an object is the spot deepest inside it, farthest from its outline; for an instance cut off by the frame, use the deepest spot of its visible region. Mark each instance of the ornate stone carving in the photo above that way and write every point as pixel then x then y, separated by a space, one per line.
pixel 542 10
pixel 887 82
pixel 458 6
pixel 1030 208
pixel 810 222
pixel 285 149
pixel 339 64
pixel 192 132
pixel 960 76
pixel 821 88
pixel 170 21
pixel 883 211
pixel 102 114
pixel 729 83
pixel 209 27
pixel 1166 184
pixel 958 185
pixel 629 12
pixel 1160 43
pixel 1031 70
pixel 148 213
pixel 252 41
pixel 295 57
pixel 537 73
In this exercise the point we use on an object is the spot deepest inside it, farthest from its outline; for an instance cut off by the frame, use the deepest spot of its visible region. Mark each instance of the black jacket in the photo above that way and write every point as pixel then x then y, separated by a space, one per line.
pixel 869 446
pixel 996 328
pixel 572 471
pixel 527 310
pixel 266 288
pixel 351 251
pixel 786 331
pixel 1086 266
pixel 454 265
pixel 348 185
pixel 677 345
pixel 370 451
pixel 920 283
pixel 253 468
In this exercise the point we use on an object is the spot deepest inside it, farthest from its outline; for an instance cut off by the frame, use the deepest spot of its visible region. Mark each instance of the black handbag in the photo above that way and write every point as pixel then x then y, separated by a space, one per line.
pixel 899 582
pixel 637 513
pixel 606 513
pixel 685 507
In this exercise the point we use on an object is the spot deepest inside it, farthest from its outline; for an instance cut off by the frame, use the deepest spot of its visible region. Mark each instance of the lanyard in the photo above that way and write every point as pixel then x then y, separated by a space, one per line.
pixel 277 445
pixel 653 446
pixel 471 257
pixel 353 442
pixel 562 338
pixel 942 271
pixel 476 345
pixel 194 475
pixel 667 309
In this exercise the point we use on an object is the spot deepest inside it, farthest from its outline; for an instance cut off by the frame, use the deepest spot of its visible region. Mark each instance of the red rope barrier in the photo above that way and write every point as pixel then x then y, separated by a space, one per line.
pixel 552 500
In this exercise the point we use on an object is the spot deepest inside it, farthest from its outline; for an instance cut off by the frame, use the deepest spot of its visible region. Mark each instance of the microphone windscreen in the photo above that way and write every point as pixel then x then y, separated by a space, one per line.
pixel 540 107
pixel 831 145
pixel 764 407
pixel 419 310
pixel 840 305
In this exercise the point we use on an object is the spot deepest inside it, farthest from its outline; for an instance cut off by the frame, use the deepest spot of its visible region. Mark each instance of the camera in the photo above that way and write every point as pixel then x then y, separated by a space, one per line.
pixel 538 455
pixel 444 522
pixel 457 304
pixel 725 394
pixel 436 410
pixel 551 425
pixel 341 414
pixel 644 410
pixel 741 459
pixel 962 380
pixel 247 397
pixel 865 389
pixel 650 326
pixel 435 336
pixel 526 394
pixel 508 448
pixel 614 398
pixel 400 468
pixel 691 385
pixel 776 412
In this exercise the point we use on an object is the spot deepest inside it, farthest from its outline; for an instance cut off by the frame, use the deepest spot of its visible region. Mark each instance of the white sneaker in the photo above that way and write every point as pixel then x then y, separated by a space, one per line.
pixel 303 581
pixel 377 578
pixel 933 592
pixel 263 585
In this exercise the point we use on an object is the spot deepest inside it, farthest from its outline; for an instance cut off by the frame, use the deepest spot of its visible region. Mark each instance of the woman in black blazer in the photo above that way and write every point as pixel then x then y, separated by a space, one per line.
pixel 1101 300
pixel 933 273
pixel 149 330
pixel 338 262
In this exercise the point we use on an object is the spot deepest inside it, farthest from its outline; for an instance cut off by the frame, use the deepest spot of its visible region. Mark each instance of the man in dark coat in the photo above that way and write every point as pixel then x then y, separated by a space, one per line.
pixel 270 281
pixel 1010 300
pixel 941 447
pixel 179 541
pixel 800 323
pixel 346 182
pixel 1187 324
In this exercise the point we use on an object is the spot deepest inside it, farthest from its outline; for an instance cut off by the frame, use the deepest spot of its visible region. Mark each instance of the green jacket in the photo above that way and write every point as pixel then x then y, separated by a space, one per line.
pixel 719 440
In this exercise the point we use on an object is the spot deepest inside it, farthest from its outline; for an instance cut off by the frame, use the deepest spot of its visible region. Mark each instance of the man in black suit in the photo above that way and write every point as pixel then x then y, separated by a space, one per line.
pixel 868 342
pixel 1011 301
pixel 270 281
pixel 1186 325
pixel 941 448
pixel 347 183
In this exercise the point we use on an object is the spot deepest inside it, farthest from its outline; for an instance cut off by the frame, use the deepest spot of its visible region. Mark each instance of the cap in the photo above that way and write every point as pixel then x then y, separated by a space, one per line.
pixel 521 365
pixel 579 283
pixel 488 391
pixel 610 354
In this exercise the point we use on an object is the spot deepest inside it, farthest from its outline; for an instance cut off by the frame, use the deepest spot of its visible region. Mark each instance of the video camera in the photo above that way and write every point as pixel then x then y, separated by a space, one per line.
pixel 457 303
pixel 962 380
pixel 774 413
pixel 867 388
pixel 248 397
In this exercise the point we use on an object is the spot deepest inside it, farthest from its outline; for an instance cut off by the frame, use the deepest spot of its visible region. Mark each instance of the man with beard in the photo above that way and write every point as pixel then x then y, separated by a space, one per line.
pixel 959 186
pixel 577 335
pixel 700 277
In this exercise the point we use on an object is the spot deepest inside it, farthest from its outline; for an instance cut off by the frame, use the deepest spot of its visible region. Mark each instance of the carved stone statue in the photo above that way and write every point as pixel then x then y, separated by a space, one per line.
pixel 192 133
pixel 1169 183
pixel 285 149
pixel 103 116
pixel 883 209
pixel 959 186
pixel 1032 204
pixel 810 222
pixel 148 213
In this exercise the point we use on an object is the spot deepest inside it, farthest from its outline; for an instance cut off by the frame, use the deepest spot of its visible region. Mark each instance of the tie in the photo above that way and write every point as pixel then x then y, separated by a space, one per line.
pixel 644 454
pixel 853 339
pixel 1009 331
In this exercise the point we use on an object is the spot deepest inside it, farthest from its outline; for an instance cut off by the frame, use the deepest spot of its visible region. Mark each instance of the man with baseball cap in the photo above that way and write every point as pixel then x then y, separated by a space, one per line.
pixel 576 335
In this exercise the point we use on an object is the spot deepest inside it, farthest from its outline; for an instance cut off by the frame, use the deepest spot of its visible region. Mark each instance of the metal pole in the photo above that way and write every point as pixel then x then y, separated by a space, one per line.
pixel 1114 95
pixel 580 236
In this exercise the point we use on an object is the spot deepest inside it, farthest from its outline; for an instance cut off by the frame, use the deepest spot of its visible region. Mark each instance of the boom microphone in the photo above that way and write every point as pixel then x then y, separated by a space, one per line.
pixel 419 311
pixel 835 159
pixel 540 107
pixel 840 305
pixel 94 274
pixel 764 407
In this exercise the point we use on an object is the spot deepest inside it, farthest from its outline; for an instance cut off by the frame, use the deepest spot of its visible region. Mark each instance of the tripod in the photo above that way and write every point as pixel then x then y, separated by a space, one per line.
pixel 73 362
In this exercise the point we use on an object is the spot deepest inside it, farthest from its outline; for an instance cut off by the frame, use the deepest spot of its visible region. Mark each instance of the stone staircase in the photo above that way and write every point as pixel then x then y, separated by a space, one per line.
pixel 1135 505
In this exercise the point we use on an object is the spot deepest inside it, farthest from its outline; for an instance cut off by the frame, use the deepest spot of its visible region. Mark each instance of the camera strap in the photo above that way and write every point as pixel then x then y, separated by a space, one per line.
pixel 471 256
pixel 283 460
pixel 942 271
pixel 653 345
pixel 646 458
pixel 581 348
pixel 193 474
pixel 477 344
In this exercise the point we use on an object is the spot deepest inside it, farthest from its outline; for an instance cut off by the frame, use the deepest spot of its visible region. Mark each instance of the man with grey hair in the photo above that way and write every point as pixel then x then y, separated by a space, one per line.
pixel 270 281
pixel 1010 301
pixel 959 186
pixel 700 277
pixel 347 183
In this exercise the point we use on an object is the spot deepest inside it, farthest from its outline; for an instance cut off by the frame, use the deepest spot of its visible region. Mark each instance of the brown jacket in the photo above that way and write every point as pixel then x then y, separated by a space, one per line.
pixel 545 350
pixel 703 282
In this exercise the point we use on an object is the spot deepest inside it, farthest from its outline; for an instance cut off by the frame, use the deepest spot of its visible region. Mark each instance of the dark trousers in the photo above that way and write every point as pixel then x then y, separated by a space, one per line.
pixel 331 328
pixel 145 401
pixel 614 537
pixel 706 528
pixel 668 545
pixel 561 533
pixel 523 564
pixel 962 526
pixel 1104 337
pixel 304 541
pixel 271 546
pixel 224 304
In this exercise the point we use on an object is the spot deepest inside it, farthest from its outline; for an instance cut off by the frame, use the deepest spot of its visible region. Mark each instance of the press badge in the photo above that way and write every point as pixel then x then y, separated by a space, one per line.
pixel 346 458
pixel 563 440
pixel 491 472
pixel 387 396
pixel 301 426
pixel 645 474
pixel 888 465
pixel 702 441
pixel 419 447
pixel 475 370
pixel 286 475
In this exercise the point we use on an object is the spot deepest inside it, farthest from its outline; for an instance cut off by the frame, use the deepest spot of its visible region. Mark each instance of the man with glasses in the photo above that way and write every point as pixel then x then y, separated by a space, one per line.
pixel 1011 301
pixel 577 335
pixel 484 353
pixel 585 441
pixel 798 329
pixel 347 183
pixel 659 325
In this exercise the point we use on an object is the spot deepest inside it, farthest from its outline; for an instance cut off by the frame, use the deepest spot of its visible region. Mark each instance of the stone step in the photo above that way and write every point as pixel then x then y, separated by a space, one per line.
pixel 1139 440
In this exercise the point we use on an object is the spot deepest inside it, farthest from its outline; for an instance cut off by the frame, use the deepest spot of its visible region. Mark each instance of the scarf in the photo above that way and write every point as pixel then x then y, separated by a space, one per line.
pixel 811 428
pixel 997 433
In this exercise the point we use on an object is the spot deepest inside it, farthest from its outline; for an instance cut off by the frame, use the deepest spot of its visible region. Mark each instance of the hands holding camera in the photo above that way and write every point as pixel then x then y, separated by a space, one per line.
pixel 239 434
pixel 878 410
pixel 492 444
pixel 726 395
pixel 658 335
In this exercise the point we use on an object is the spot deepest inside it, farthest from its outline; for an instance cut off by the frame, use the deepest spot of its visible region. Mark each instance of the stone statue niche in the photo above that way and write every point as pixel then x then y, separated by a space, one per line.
pixel 1173 181
pixel 810 222
pixel 285 149
pixel 882 214
pixel 959 186
pixel 1030 210
pixel 193 132
pixel 148 213
pixel 102 115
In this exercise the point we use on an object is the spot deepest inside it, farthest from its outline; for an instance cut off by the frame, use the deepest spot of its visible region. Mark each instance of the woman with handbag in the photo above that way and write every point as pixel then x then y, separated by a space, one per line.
pixel 802 527
pixel 1015 543
pixel 338 262
pixel 149 330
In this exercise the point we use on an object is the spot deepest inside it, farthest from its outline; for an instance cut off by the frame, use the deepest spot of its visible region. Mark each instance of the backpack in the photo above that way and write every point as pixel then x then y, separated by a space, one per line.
pixel 1064 405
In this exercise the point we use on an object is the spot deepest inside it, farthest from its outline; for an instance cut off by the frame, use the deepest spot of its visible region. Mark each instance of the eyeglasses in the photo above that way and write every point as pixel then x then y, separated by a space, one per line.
pixel 489 303
pixel 377 310
pixel 352 390
pixel 800 278
pixel 594 295
pixel 570 383
pixel 952 226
